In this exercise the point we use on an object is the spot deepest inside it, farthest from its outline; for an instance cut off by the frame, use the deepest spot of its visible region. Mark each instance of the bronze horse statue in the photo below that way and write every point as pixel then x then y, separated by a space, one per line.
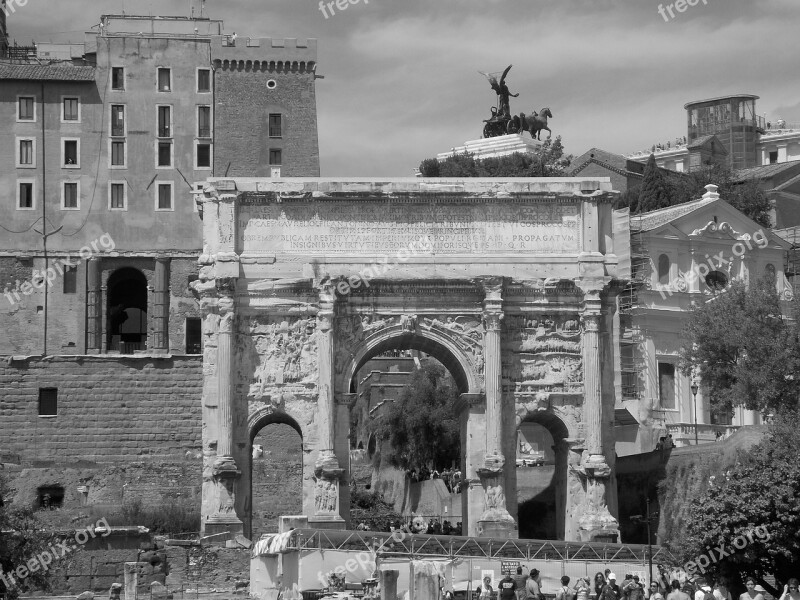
pixel 533 123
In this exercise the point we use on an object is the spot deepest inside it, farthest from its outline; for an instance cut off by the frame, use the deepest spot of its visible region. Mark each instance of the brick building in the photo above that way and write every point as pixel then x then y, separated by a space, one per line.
pixel 103 147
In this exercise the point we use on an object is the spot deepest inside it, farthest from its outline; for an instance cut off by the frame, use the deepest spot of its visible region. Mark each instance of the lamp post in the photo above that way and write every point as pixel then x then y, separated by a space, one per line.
pixel 694 394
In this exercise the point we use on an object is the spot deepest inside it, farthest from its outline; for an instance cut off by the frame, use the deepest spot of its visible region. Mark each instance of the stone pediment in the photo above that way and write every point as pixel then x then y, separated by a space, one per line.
pixel 724 231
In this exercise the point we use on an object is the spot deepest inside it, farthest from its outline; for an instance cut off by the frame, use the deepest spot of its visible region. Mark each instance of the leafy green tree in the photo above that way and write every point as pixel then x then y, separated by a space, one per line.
pixel 752 512
pixel 421 427
pixel 372 510
pixel 547 161
pixel 656 192
pixel 21 540
pixel 745 352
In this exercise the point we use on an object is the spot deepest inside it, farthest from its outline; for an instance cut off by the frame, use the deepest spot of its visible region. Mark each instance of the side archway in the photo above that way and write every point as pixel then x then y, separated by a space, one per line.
pixel 274 473
pixel 543 484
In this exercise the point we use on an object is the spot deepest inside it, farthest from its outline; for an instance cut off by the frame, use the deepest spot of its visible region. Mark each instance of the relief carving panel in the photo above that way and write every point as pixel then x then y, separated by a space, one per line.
pixel 545 353
pixel 287 351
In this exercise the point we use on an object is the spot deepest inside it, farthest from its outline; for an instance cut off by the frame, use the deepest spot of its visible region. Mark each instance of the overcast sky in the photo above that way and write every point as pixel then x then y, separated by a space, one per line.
pixel 401 76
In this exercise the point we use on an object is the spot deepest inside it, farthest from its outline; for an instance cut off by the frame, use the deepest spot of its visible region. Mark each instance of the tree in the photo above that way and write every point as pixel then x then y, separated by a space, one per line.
pixel 656 192
pixel 751 512
pixel 421 427
pixel 744 195
pixel 21 539
pixel 744 351
pixel 547 161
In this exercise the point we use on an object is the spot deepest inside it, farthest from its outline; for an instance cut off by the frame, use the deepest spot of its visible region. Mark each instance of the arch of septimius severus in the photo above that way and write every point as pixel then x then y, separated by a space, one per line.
pixel 510 283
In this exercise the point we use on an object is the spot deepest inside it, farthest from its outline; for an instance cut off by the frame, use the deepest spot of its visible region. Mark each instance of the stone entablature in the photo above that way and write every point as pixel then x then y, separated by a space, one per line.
pixel 509 283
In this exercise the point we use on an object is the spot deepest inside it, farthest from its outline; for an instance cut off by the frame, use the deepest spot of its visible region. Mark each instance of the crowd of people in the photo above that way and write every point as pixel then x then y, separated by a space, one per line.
pixel 605 587
pixel 451 477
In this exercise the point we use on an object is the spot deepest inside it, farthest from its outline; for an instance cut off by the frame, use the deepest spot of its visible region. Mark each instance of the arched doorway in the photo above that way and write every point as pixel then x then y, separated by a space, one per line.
pixel 542 464
pixel 126 324
pixel 276 472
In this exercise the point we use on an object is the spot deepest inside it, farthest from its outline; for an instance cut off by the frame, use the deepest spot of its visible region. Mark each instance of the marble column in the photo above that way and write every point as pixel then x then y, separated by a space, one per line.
pixel 327 472
pixel 224 469
pixel 94 307
pixel 161 305
pixel 495 521
pixel 596 522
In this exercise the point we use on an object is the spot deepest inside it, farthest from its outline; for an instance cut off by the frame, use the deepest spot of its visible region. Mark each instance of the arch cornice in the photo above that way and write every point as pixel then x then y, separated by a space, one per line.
pixel 398 335
pixel 271 413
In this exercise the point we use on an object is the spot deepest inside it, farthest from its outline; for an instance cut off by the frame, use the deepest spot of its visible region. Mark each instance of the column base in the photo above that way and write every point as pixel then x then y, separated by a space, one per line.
pixel 327 522
pixel 498 529
pixel 213 527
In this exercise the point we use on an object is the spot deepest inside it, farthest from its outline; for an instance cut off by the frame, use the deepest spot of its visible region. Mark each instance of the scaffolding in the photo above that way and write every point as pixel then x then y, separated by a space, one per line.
pixel 631 334
pixel 791 266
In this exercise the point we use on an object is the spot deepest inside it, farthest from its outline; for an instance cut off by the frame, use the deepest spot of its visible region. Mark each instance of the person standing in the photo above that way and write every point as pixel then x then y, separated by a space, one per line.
pixel 676 593
pixel 533 589
pixel 704 591
pixel 751 593
pixel 485 591
pixel 564 592
pixel 653 592
pixel 611 590
pixel 790 591
pixel 507 587
pixel 582 589
pixel 520 579
pixel 635 589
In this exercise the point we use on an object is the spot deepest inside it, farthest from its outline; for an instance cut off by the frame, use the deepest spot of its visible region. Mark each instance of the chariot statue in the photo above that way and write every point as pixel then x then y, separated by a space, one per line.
pixel 502 122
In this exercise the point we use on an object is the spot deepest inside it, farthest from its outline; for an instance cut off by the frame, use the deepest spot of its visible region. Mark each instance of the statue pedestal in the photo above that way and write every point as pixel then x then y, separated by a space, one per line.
pixel 494 147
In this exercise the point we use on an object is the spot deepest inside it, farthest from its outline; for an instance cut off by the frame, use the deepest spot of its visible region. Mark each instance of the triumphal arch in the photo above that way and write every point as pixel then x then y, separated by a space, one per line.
pixel 510 283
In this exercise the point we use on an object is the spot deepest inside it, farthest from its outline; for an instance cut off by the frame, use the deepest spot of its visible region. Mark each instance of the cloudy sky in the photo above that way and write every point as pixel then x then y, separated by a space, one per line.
pixel 401 76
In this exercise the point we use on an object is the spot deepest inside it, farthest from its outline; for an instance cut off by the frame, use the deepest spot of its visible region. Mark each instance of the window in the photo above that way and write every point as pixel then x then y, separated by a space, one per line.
pixel 70 280
pixel 663 269
pixel 26 156
pixel 48 402
pixel 164 196
pixel 117 153
pixel 164 158
pixel 773 157
pixel 27 108
pixel 164 121
pixel 203 156
pixel 275 156
pixel 70 154
pixel 70 195
pixel 717 280
pixel 164 79
pixel 71 109
pixel 203 80
pixel 25 195
pixel 275 126
pixel 117 196
pixel 666 385
pixel 194 335
pixel 51 497
pixel 118 78
pixel 117 120
pixel 204 121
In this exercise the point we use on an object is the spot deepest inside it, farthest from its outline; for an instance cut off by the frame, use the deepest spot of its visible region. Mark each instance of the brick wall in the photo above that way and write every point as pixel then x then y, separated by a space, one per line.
pixel 243 106
pixel 109 409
